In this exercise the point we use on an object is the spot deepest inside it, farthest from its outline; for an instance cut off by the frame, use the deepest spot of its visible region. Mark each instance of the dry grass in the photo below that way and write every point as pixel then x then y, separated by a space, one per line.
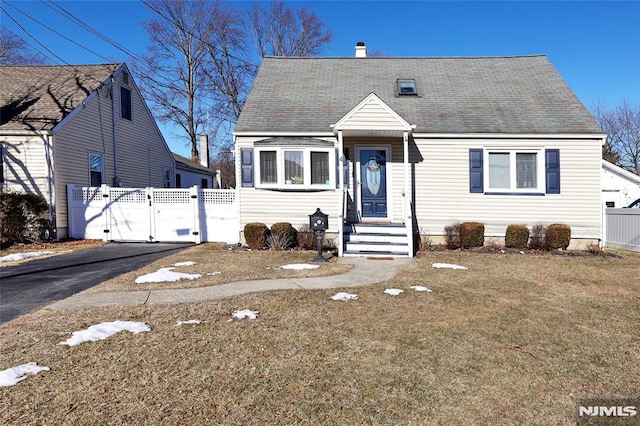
pixel 228 266
pixel 513 340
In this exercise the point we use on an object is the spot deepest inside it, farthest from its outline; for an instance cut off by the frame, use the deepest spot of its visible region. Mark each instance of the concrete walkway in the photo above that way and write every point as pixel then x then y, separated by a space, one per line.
pixel 364 272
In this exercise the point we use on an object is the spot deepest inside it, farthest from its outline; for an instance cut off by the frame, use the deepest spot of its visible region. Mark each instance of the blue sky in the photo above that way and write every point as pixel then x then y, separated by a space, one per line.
pixel 594 45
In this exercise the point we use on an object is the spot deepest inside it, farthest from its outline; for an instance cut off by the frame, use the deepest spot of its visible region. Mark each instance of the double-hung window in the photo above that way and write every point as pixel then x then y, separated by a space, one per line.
pixel 515 170
pixel 295 167
pixel 96 169
pixel 125 103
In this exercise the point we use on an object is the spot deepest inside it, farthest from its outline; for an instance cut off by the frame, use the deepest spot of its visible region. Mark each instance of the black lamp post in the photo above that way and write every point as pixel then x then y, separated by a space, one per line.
pixel 319 222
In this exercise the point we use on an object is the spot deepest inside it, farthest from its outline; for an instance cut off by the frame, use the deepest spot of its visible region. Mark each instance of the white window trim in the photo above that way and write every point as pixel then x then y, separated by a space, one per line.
pixel 103 177
pixel 540 170
pixel 306 155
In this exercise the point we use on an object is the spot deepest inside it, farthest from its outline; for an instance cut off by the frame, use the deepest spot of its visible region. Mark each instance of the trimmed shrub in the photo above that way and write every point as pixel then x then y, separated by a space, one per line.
pixel 452 236
pixel 517 236
pixel 471 234
pixel 538 232
pixel 255 234
pixel 558 236
pixel 23 217
pixel 283 236
pixel 306 238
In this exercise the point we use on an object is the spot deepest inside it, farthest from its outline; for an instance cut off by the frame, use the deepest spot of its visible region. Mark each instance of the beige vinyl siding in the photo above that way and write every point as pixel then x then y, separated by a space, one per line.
pixel 25 164
pixel 371 117
pixel 443 197
pixel 141 150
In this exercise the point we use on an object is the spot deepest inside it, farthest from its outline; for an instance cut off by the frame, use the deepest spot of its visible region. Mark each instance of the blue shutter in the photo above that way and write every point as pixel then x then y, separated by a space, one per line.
pixel 476 174
pixel 552 171
pixel 246 166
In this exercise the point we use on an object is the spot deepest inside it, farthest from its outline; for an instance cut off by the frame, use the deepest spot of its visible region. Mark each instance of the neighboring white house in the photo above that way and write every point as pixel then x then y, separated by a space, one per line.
pixel 407 146
pixel 190 173
pixel 620 187
pixel 85 125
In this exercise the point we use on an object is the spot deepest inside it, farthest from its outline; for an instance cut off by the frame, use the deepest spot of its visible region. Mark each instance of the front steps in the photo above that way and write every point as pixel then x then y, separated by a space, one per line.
pixel 368 239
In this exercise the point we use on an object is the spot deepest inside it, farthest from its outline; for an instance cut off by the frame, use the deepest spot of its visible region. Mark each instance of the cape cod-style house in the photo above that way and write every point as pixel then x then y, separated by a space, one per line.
pixel 394 147
pixel 85 125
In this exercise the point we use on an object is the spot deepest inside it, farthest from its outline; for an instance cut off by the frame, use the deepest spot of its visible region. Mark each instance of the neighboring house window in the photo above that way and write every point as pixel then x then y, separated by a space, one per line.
pixel 204 183
pixel 96 169
pixel 178 180
pixel 295 168
pixel 166 176
pixel 521 171
pixel 125 103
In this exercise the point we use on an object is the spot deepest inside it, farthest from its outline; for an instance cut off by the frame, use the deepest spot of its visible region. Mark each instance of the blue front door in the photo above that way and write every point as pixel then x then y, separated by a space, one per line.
pixel 373 178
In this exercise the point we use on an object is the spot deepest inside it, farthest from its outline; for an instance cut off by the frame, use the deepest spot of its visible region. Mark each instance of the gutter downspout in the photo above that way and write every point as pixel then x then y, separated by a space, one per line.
pixel 48 144
pixel 408 216
pixel 116 179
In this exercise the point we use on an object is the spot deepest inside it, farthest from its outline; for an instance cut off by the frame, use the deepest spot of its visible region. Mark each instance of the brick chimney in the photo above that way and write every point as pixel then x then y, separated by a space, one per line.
pixel 361 50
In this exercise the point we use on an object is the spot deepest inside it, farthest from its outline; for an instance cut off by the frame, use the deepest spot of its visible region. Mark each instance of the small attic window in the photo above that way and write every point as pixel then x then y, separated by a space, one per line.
pixel 407 86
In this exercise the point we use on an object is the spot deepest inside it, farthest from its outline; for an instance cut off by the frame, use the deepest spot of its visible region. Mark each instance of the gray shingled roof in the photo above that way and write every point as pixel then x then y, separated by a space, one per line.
pixel 38 97
pixel 191 164
pixel 516 95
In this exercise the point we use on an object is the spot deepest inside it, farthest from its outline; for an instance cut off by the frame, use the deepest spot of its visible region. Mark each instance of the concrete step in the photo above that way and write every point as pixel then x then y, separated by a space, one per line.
pixel 373 247
pixel 361 237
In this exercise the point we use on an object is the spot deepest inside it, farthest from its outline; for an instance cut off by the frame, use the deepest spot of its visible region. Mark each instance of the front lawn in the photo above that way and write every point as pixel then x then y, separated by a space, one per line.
pixel 514 339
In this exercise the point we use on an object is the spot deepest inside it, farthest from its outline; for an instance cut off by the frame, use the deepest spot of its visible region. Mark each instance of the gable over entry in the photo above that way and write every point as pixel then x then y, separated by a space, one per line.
pixel 370 121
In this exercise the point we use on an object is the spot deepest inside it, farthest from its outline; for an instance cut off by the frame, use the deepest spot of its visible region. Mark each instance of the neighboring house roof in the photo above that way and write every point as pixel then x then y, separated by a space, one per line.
pixel 185 163
pixel 509 95
pixel 632 177
pixel 38 97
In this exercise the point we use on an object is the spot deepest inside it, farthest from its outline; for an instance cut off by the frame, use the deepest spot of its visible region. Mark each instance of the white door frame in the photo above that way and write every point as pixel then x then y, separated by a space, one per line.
pixel 389 186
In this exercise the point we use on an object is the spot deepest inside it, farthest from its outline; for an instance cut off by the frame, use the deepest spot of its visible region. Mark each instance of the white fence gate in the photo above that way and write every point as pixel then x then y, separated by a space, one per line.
pixel 622 228
pixel 152 214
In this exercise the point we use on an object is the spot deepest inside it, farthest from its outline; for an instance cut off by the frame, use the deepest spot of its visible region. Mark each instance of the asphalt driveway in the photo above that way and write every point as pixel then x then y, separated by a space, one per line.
pixel 40 282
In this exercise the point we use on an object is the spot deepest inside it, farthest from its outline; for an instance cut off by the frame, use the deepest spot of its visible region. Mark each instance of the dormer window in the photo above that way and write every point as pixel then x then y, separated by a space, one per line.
pixel 407 86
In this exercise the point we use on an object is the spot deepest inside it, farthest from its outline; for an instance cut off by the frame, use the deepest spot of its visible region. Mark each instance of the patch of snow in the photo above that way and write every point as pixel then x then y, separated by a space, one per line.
pixel 246 313
pixel 344 296
pixel 421 288
pixel 300 266
pixel 393 291
pixel 187 263
pixel 164 275
pixel 447 266
pixel 103 330
pixel 212 274
pixel 13 375
pixel 179 323
pixel 21 256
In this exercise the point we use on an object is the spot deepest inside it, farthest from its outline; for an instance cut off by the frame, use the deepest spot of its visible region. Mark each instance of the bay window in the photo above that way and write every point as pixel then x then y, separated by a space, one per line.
pixel 295 167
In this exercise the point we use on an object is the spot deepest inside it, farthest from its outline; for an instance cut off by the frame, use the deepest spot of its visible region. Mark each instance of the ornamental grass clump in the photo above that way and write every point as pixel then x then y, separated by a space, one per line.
pixel 255 235
pixel 517 236
pixel 471 234
pixel 536 241
pixel 282 236
pixel 558 236
pixel 452 236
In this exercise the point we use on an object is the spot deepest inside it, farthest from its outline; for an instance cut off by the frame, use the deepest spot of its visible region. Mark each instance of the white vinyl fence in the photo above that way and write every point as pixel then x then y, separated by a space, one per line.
pixel 153 215
pixel 622 228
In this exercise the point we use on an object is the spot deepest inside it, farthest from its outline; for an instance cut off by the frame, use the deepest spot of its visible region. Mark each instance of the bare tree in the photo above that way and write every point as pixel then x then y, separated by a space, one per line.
pixel 622 126
pixel 281 31
pixel 16 51
pixel 172 73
